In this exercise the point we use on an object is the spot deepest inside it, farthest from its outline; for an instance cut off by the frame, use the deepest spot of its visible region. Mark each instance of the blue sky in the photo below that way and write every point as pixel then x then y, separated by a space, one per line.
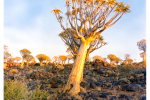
pixel 30 24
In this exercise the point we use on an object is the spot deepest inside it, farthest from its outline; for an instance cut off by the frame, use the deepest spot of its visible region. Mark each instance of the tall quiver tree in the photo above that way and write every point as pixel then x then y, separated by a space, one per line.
pixel 88 18
pixel 17 60
pixel 41 58
pixel 69 57
pixel 24 53
pixel 111 57
pixel 142 46
pixel 28 59
pixel 117 60
pixel 48 60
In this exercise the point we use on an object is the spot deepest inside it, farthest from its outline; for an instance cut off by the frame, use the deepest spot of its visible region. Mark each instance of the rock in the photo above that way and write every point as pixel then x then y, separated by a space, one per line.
pixel 122 81
pixel 11 77
pixel 104 95
pixel 84 84
pixel 54 86
pixel 143 98
pixel 122 96
pixel 29 84
pixel 86 72
pixel 112 98
pixel 131 87
pixel 94 95
pixel 42 87
pixel 98 83
pixel 92 85
pixel 99 71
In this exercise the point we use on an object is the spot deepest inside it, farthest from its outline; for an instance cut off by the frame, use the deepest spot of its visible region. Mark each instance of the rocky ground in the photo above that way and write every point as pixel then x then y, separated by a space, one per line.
pixel 99 82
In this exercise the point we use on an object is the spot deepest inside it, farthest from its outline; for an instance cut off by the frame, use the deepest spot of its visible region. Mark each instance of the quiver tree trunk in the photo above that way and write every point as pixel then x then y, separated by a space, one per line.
pixel 76 76
pixel 22 64
pixel 41 63
pixel 27 63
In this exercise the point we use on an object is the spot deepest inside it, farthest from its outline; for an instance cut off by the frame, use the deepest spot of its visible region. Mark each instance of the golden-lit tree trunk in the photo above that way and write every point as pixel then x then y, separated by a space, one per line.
pixel 22 64
pixel 41 63
pixel 27 63
pixel 76 75
pixel 46 63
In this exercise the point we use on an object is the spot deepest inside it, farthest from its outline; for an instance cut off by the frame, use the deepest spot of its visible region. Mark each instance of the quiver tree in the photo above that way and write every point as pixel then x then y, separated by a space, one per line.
pixel 17 59
pixel 7 55
pixel 88 18
pixel 111 57
pixel 41 58
pixel 48 60
pixel 63 59
pixel 117 60
pixel 55 58
pixel 69 57
pixel 127 57
pixel 24 53
pixel 95 58
pixel 142 46
pixel 130 61
pixel 28 59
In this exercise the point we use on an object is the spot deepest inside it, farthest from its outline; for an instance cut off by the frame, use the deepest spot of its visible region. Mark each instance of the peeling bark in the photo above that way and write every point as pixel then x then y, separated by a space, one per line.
pixel 76 76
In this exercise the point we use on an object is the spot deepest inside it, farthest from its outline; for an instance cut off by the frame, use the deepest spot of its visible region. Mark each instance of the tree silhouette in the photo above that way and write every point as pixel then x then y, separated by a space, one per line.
pixel 142 46
pixel 63 58
pixel 97 58
pixel 55 58
pixel 28 59
pixel 48 60
pixel 88 18
pixel 130 61
pixel 41 58
pixel 7 55
pixel 24 53
pixel 69 57
pixel 117 60
pixel 17 59
pixel 111 57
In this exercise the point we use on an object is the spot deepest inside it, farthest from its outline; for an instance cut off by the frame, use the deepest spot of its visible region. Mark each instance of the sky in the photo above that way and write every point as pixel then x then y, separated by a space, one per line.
pixel 30 24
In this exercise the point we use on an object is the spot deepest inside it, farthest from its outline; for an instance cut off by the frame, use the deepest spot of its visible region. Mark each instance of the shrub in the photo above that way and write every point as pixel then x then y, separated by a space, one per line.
pixel 14 71
pixel 38 94
pixel 14 90
pixel 17 90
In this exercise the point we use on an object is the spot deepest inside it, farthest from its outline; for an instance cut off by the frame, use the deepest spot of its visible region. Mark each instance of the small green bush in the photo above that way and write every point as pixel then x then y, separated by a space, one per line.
pixel 14 90
pixel 39 94
pixel 17 90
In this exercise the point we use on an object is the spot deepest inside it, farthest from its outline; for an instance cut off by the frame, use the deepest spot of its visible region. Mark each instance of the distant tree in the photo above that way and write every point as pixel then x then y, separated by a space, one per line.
pixel 111 57
pixel 63 58
pixel 97 58
pixel 55 58
pixel 127 56
pixel 104 59
pixel 17 59
pixel 130 61
pixel 41 58
pixel 69 57
pixel 117 60
pixel 33 62
pixel 7 55
pixel 142 46
pixel 29 58
pixel 88 18
pixel 24 53
pixel 48 60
